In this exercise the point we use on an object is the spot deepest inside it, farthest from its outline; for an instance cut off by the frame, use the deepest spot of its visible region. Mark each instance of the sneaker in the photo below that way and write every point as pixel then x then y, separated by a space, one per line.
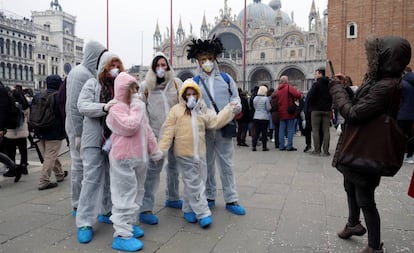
pixel 65 174
pixel 206 221
pixel 85 234
pixel 137 232
pixel 190 217
pixel 235 208
pixel 272 140
pixel 49 186
pixel 368 249
pixel 409 160
pixel 148 218
pixel 349 231
pixel 174 203
pixel 291 149
pixel 127 244
pixel 265 149
pixel 105 218
pixel 211 203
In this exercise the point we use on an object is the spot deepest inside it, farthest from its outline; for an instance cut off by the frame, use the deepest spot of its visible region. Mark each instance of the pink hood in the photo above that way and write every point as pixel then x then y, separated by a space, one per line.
pixel 122 81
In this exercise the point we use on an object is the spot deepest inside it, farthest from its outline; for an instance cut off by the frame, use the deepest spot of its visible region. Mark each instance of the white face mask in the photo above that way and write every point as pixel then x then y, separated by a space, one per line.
pixel 160 72
pixel 208 66
pixel 191 102
pixel 114 72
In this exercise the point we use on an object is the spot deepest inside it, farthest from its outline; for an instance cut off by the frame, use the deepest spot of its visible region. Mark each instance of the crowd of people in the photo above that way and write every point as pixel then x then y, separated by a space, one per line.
pixel 122 133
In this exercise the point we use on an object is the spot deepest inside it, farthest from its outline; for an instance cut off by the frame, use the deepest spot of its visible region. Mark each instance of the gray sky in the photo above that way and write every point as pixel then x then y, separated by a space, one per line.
pixel 134 21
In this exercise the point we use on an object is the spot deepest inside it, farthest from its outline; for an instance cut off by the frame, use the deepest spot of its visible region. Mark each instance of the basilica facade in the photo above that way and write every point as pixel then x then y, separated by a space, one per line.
pixel 275 45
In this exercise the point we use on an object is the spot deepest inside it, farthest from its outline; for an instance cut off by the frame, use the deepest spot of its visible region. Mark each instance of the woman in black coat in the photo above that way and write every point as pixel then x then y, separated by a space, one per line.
pixel 387 57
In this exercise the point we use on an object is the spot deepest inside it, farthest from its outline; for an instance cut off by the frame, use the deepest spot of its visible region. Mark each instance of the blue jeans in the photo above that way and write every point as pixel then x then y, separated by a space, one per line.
pixel 290 125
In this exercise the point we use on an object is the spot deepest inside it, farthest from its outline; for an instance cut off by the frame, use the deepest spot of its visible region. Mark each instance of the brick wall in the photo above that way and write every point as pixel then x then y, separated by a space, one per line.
pixel 379 17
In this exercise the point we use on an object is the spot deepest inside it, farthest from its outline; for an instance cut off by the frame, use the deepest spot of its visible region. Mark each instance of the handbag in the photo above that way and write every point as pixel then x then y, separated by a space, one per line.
pixel 375 147
pixel 229 130
pixel 293 108
pixel 238 116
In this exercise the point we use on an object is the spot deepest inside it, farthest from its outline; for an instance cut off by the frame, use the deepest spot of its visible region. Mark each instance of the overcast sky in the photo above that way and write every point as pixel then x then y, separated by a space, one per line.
pixel 134 21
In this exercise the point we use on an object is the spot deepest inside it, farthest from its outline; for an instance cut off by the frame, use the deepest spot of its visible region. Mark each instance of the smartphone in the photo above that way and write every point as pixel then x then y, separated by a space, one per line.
pixel 331 68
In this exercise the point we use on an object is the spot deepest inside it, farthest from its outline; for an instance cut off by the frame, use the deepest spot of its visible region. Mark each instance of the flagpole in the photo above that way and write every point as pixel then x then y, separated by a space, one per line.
pixel 171 32
pixel 244 47
pixel 107 24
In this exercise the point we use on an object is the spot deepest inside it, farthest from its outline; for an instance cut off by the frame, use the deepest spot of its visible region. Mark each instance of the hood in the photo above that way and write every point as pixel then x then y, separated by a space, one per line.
pixel 151 76
pixel 92 54
pixel 189 83
pixel 262 91
pixel 107 56
pixel 53 82
pixel 409 77
pixel 281 86
pixel 122 82
pixel 387 56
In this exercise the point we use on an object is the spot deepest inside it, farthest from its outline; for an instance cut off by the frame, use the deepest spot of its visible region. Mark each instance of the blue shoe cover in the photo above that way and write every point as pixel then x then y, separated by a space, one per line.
pixel 85 234
pixel 148 218
pixel 127 244
pixel 137 231
pixel 206 221
pixel 104 218
pixel 236 209
pixel 174 203
pixel 74 212
pixel 211 203
pixel 190 217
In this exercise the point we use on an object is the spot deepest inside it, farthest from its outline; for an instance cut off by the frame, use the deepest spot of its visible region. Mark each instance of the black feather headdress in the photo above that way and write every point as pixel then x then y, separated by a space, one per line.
pixel 213 46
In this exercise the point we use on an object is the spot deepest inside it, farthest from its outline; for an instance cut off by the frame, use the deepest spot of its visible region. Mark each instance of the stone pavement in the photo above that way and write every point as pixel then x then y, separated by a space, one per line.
pixel 295 202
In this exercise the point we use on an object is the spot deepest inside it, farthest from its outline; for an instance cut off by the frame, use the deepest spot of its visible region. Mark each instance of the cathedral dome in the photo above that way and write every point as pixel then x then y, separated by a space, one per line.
pixel 275 4
pixel 258 13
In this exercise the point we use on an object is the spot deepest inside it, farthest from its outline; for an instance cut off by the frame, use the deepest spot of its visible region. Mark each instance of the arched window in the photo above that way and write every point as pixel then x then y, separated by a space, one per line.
pixel 352 30
pixel 14 48
pixel 262 56
pixel 8 47
pixel 2 71
pixel 19 49
pixel 1 46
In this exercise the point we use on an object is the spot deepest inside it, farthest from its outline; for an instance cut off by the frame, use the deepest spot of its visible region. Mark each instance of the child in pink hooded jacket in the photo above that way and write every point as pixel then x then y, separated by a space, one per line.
pixel 133 143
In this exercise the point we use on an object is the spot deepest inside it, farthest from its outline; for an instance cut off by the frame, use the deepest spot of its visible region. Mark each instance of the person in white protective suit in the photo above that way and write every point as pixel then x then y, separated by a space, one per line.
pixel 133 142
pixel 74 120
pixel 185 130
pixel 95 99
pixel 159 91
pixel 223 90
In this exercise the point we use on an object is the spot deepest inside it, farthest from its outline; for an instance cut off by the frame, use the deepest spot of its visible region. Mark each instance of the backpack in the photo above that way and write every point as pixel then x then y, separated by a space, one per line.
pixel 225 77
pixel 16 114
pixel 42 113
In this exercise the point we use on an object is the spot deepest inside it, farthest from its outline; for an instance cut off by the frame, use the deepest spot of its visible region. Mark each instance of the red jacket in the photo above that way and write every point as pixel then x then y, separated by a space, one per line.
pixel 283 100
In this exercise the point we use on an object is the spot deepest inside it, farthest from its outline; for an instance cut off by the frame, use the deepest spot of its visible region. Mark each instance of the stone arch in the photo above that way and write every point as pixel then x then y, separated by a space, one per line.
pixel 295 75
pixel 184 75
pixel 260 76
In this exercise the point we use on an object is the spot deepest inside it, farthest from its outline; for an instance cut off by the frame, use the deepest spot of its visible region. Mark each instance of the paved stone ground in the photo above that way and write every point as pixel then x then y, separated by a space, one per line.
pixel 295 203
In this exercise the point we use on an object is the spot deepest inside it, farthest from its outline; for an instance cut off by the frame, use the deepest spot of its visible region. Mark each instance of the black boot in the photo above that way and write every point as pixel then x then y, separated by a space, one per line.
pixel 24 169
pixel 19 170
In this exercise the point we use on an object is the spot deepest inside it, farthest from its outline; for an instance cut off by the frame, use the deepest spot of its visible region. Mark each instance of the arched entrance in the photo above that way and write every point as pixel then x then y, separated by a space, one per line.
pixel 184 75
pixel 296 78
pixel 260 77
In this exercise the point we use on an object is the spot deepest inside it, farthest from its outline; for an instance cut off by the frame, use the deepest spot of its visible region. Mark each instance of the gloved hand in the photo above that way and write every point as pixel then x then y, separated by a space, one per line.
pixel 108 105
pixel 77 143
pixel 157 156
pixel 236 108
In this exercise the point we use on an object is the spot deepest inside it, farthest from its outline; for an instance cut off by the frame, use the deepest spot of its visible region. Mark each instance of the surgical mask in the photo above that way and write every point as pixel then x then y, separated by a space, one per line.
pixel 160 72
pixel 208 66
pixel 191 102
pixel 114 72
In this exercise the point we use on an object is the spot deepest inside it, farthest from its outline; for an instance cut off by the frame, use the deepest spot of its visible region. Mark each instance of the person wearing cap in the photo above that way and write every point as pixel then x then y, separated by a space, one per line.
pixel 184 130
pixel 219 149
pixel 51 139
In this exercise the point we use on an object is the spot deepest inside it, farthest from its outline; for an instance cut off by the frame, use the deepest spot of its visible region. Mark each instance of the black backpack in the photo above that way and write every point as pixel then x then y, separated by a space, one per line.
pixel 42 112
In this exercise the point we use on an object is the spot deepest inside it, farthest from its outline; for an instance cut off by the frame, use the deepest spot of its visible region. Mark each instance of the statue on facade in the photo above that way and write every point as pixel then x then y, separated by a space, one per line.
pixel 55 3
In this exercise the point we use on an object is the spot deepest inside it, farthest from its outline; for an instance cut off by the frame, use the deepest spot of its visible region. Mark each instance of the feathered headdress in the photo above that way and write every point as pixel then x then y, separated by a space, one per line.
pixel 213 46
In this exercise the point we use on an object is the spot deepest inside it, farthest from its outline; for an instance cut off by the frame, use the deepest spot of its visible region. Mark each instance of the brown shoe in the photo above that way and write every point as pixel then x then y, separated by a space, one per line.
pixel 348 231
pixel 65 174
pixel 49 186
pixel 368 249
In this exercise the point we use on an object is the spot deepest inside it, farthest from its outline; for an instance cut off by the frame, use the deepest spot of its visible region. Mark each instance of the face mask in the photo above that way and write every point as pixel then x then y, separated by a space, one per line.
pixel 160 72
pixel 208 66
pixel 114 72
pixel 191 102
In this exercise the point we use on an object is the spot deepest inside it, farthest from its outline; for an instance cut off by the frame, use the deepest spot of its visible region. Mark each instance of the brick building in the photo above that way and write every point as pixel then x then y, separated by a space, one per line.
pixel 351 21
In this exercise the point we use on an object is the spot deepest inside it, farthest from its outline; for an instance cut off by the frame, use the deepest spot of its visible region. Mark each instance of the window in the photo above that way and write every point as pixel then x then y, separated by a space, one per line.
pixel 262 56
pixel 352 30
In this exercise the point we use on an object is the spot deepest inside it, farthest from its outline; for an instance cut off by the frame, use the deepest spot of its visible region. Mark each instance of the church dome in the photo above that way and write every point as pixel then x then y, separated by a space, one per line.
pixel 258 13
pixel 275 4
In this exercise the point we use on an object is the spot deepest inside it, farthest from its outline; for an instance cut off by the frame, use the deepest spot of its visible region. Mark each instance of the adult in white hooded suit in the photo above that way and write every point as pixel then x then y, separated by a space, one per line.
pixel 160 93
pixel 74 120
pixel 95 193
